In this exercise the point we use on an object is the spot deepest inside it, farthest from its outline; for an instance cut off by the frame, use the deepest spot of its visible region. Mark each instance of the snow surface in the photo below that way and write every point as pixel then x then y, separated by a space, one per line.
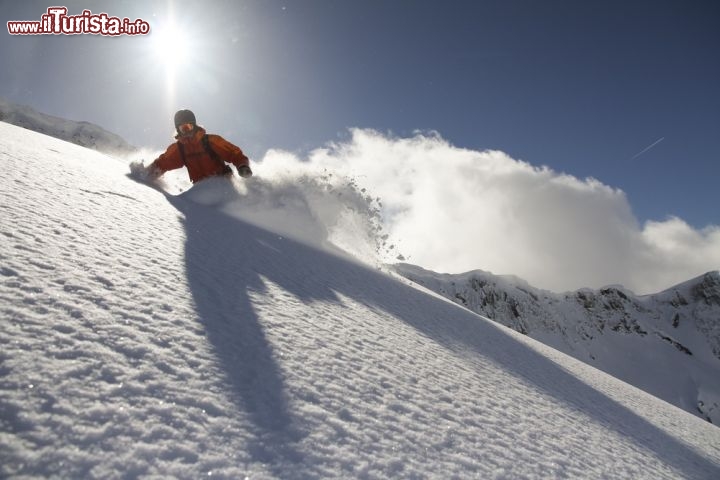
pixel 151 334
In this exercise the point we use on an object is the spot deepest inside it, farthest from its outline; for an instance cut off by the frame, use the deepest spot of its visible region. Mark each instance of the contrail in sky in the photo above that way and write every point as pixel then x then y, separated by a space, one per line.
pixel 647 148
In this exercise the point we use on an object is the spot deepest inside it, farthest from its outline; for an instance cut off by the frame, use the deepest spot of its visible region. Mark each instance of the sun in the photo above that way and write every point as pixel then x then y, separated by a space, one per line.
pixel 171 46
pixel 172 50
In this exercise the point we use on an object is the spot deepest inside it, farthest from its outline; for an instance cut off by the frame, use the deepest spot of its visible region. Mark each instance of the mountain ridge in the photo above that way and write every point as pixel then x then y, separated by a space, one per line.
pixel 84 134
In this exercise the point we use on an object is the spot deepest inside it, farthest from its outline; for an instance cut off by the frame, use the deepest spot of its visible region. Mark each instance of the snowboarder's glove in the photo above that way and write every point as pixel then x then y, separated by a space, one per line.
pixel 153 172
pixel 244 171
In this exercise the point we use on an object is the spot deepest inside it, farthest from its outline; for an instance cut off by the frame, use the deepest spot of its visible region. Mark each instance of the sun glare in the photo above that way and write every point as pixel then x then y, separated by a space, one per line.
pixel 171 46
pixel 172 50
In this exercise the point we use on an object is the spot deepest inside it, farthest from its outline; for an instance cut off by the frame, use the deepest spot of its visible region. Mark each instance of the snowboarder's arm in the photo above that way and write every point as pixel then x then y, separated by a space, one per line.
pixel 170 160
pixel 229 152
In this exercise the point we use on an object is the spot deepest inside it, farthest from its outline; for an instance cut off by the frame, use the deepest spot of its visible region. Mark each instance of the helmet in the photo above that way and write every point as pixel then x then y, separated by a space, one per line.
pixel 184 116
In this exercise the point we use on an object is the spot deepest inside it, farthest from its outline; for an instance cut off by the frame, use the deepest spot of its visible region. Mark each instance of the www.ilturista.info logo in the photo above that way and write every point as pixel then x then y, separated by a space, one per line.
pixel 57 22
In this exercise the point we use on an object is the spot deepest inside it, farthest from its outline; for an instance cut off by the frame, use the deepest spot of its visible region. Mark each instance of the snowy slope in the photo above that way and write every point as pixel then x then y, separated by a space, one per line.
pixel 80 133
pixel 144 334
pixel 667 344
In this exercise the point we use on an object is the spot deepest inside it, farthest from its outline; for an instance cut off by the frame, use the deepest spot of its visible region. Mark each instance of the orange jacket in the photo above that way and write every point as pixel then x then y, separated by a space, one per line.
pixel 198 161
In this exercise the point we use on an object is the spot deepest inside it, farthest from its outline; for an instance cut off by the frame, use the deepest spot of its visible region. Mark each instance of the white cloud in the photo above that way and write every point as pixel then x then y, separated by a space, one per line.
pixel 452 210
pixel 674 250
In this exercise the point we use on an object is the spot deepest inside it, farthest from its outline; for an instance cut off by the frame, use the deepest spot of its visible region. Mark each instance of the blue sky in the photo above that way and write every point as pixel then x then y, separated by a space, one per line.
pixel 584 87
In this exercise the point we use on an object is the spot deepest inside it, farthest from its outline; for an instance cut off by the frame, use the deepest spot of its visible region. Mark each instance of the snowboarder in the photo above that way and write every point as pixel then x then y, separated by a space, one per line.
pixel 203 154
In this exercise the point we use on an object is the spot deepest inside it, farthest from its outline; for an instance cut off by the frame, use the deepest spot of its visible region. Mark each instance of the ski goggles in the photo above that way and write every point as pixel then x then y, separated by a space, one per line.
pixel 185 128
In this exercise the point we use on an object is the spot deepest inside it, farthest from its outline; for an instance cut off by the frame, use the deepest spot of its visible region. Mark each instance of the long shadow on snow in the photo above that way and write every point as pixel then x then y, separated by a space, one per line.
pixel 223 266
pixel 220 276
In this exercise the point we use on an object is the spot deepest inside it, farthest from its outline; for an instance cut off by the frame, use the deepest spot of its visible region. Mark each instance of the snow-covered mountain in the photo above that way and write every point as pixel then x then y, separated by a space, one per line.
pixel 667 344
pixel 206 334
pixel 80 133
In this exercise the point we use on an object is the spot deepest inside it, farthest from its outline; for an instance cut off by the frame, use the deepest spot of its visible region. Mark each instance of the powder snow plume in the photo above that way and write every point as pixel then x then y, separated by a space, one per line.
pixel 299 200
pixel 451 209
